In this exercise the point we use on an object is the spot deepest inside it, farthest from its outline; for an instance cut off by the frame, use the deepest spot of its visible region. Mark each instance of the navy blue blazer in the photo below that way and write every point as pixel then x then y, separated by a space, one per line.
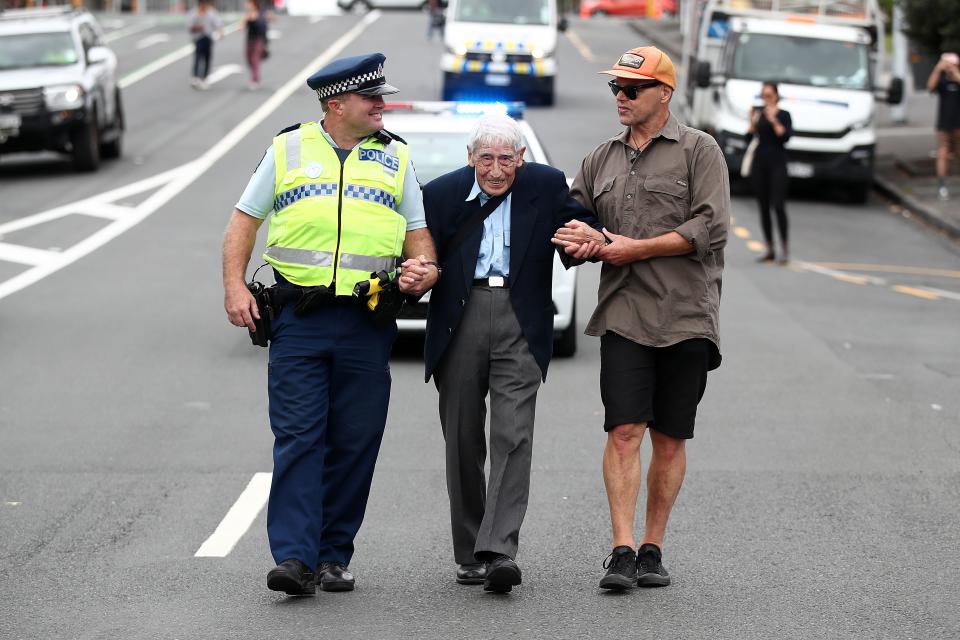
pixel 540 204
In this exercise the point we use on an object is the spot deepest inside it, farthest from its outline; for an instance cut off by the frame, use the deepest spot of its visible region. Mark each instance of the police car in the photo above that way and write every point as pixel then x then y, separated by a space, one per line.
pixel 437 133
pixel 58 86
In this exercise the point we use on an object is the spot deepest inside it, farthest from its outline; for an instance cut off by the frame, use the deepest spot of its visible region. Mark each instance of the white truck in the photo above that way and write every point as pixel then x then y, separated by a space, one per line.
pixel 826 57
pixel 501 50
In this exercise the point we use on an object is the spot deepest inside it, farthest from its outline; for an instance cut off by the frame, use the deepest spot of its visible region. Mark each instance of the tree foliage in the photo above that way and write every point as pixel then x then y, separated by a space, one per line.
pixel 934 25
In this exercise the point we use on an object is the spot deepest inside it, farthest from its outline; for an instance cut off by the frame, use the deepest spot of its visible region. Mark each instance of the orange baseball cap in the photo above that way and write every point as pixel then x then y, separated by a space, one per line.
pixel 645 63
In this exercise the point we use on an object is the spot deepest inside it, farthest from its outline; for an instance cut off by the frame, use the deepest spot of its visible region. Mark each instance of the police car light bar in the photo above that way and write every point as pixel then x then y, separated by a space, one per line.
pixel 513 109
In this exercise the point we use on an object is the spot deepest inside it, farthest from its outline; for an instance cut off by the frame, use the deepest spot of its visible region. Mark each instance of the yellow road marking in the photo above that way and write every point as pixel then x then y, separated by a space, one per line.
pixel 754 245
pixel 580 45
pixel 913 291
pixel 741 232
pixel 845 277
pixel 886 268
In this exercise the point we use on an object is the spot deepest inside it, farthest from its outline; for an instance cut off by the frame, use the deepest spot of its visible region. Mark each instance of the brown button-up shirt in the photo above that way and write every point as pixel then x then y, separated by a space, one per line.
pixel 679 182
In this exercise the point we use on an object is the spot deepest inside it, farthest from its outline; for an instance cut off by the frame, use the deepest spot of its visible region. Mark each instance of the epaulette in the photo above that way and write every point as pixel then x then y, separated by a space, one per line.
pixel 292 127
pixel 386 137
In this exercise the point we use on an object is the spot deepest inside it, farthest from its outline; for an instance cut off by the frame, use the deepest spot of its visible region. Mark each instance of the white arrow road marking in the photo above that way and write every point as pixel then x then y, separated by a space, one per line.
pixel 224 71
pixel 170 183
pixel 238 519
pixel 151 40
pixel 25 255
pixel 103 210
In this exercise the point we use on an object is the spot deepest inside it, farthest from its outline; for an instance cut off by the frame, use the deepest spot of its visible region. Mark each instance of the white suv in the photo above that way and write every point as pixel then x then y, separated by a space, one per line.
pixel 58 86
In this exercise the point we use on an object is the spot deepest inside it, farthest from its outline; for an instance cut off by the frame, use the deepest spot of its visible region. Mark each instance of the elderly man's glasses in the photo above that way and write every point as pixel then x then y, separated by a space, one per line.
pixel 486 160
pixel 630 91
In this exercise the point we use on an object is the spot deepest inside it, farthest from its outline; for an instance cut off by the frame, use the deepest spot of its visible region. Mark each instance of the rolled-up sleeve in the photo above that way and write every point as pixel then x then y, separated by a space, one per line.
pixel 411 206
pixel 706 230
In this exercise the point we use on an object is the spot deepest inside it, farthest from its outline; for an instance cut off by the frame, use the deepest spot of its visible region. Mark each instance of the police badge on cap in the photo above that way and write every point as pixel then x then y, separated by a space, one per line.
pixel 356 74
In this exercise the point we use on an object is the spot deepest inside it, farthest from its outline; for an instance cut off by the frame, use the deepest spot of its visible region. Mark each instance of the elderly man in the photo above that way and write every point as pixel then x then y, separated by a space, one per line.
pixel 490 330
pixel 345 203
pixel 661 190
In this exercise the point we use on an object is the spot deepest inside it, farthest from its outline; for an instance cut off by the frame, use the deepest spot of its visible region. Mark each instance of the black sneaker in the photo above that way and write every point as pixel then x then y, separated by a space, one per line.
pixel 335 577
pixel 621 566
pixel 650 571
pixel 292 577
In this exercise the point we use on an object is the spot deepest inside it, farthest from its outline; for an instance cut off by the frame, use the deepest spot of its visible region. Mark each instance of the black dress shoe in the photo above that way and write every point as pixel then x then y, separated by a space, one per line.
pixel 471 573
pixel 335 577
pixel 502 574
pixel 292 577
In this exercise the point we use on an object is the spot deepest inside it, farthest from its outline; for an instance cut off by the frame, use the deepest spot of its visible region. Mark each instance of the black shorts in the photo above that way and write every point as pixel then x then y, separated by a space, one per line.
pixel 657 385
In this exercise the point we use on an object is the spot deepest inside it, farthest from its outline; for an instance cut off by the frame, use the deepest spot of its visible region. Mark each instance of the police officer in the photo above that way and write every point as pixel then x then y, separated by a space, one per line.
pixel 346 203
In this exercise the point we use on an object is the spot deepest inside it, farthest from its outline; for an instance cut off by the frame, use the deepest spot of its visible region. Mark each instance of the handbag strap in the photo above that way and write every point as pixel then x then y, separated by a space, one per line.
pixel 474 221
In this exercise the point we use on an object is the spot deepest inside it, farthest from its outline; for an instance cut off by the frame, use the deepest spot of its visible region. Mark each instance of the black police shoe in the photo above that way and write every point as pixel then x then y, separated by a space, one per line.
pixel 650 571
pixel 621 566
pixel 473 573
pixel 502 574
pixel 335 577
pixel 292 577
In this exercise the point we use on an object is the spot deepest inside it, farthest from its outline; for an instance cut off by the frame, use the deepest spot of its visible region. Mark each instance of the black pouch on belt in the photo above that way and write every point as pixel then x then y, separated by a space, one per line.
pixel 267 309
pixel 312 298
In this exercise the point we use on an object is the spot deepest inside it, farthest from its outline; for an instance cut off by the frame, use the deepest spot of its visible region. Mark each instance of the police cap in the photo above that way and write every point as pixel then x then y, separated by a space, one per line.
pixel 356 74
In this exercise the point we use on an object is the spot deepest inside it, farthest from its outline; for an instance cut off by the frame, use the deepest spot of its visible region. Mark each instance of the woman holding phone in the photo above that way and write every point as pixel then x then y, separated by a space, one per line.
pixel 945 82
pixel 772 127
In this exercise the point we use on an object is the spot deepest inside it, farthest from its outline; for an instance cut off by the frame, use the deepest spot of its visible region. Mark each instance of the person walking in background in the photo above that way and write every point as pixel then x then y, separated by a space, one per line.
pixel 255 21
pixel 204 24
pixel 773 127
pixel 945 82
pixel 436 20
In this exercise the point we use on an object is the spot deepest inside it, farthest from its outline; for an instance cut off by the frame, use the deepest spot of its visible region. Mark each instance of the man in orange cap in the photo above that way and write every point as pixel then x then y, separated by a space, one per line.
pixel 661 190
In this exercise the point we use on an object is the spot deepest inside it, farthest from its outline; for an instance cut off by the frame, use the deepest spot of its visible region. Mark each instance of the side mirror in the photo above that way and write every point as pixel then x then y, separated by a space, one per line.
pixel 702 75
pixel 563 24
pixel 895 92
pixel 97 55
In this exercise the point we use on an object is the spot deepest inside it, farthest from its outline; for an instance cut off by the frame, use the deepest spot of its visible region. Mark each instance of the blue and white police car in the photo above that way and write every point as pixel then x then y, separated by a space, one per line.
pixel 438 133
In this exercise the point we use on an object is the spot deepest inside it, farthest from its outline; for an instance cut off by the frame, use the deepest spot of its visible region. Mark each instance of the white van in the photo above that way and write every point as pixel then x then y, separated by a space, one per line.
pixel 501 50
pixel 826 58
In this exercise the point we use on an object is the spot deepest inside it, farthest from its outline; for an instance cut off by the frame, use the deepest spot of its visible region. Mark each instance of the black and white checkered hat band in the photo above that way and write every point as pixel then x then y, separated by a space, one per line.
pixel 356 83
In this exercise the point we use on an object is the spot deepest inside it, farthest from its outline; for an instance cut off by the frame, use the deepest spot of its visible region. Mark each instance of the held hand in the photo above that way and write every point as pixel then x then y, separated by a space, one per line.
pixel 770 112
pixel 619 251
pixel 578 250
pixel 416 276
pixel 578 232
pixel 241 307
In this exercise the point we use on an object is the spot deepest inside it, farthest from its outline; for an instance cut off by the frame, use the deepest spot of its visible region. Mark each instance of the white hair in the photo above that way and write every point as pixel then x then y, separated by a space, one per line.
pixel 495 129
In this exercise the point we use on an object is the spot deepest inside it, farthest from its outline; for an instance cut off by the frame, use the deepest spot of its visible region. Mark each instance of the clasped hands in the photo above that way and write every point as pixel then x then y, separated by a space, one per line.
pixel 418 275
pixel 582 242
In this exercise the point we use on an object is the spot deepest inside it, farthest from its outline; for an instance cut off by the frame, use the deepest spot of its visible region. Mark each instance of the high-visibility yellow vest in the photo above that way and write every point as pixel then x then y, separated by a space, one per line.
pixel 332 222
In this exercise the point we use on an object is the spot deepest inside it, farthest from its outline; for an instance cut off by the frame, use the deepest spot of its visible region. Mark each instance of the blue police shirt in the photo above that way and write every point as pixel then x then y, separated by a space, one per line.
pixel 494 256
pixel 257 198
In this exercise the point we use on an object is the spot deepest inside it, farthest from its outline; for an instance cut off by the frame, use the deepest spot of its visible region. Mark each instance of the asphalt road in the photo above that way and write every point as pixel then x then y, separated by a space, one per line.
pixel 822 490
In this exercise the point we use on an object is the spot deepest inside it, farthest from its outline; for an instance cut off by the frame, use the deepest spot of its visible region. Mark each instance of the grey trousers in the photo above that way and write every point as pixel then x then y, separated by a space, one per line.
pixel 488 353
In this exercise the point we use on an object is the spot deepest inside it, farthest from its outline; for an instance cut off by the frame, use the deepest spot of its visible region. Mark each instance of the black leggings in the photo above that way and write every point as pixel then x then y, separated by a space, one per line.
pixel 770 182
pixel 201 57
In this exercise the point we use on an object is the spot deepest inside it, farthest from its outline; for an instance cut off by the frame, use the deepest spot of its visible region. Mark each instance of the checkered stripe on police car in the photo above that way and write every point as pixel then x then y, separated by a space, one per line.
pixel 371 194
pixel 349 84
pixel 287 198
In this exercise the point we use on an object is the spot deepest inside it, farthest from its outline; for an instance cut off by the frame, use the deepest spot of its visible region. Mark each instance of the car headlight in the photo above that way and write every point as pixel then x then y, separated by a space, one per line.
pixel 540 54
pixel 863 124
pixel 457 50
pixel 68 96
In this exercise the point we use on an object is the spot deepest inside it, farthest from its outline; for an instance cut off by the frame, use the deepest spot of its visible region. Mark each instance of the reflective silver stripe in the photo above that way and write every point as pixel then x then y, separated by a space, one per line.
pixel 301 256
pixel 371 264
pixel 293 149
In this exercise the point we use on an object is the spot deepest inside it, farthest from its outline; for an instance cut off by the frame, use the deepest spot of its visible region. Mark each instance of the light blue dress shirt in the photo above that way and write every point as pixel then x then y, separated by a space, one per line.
pixel 494 256
pixel 257 198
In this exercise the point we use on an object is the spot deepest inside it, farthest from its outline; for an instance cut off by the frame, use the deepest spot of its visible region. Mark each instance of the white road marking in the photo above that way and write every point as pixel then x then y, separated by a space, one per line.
pixel 943 293
pixel 222 72
pixel 238 519
pixel 113 36
pixel 103 210
pixel 840 275
pixel 893 132
pixel 171 182
pixel 154 39
pixel 167 60
pixel 25 255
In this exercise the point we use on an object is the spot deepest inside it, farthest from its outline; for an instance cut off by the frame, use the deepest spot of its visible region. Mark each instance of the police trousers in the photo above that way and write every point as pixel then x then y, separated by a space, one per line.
pixel 329 386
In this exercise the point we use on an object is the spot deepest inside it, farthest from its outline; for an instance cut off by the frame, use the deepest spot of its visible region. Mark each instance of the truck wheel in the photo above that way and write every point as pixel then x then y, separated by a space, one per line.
pixel 86 146
pixel 565 346
pixel 114 148
pixel 859 193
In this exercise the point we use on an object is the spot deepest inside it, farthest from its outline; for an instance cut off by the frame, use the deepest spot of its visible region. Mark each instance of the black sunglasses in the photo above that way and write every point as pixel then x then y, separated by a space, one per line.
pixel 630 91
